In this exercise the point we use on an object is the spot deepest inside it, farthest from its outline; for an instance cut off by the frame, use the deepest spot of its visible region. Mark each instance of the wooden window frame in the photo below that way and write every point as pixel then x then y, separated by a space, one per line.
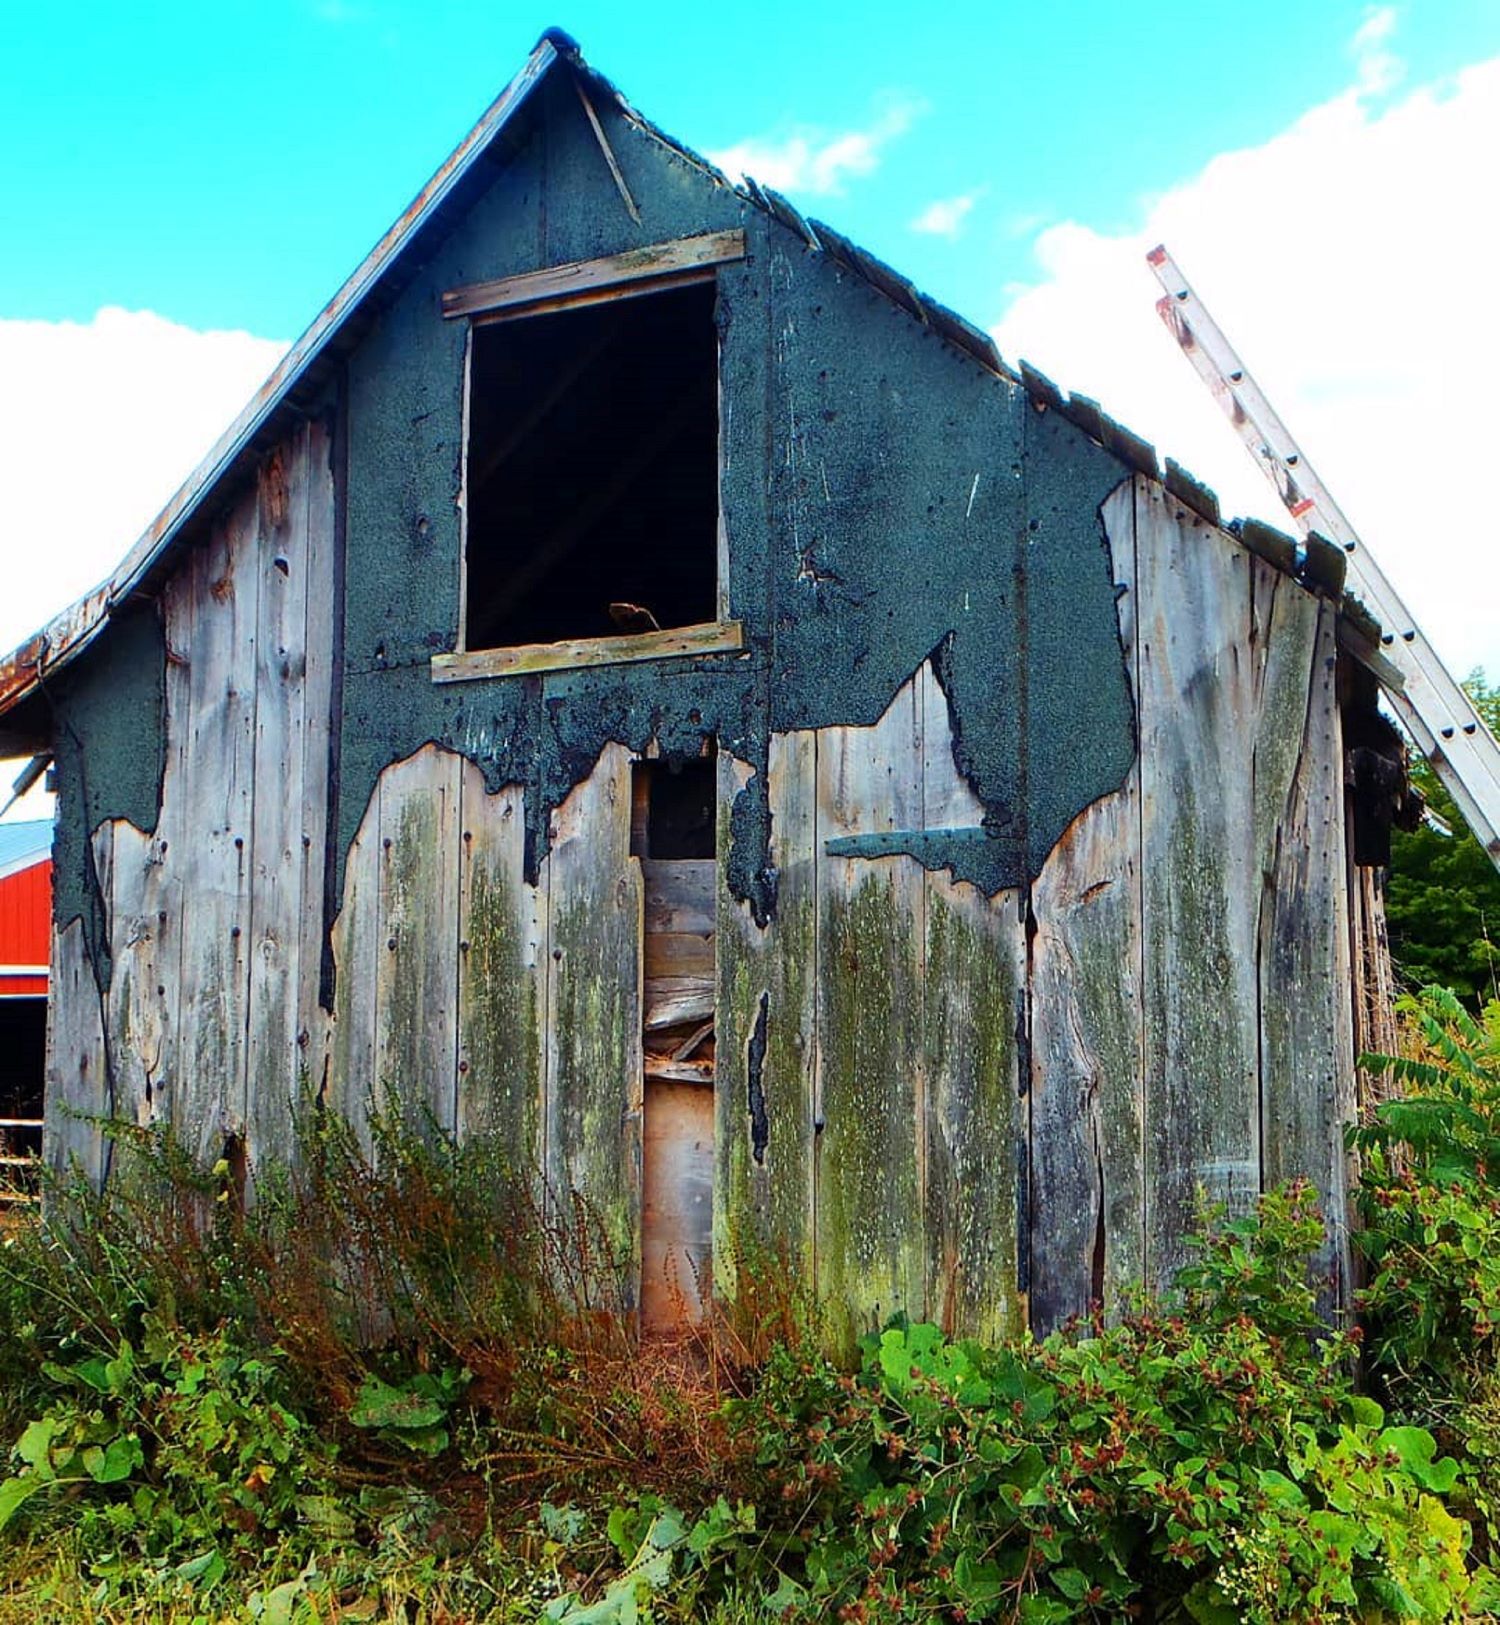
pixel 634 274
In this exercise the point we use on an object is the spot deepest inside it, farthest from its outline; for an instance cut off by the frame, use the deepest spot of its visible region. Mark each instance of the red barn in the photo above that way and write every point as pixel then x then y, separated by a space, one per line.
pixel 25 928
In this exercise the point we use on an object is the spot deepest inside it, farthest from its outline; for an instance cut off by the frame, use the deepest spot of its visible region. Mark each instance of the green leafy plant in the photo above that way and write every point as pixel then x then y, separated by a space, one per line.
pixel 1443 897
pixel 1430 1204
pixel 1208 1461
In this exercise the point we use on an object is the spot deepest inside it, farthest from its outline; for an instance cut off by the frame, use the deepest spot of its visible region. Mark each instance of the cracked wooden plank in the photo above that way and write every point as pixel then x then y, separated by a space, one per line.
pixel 1306 1014
pixel 278 572
pixel 502 977
pixel 217 822
pixel 1197 681
pixel 1087 1066
pixel 870 1222
pixel 594 1075
pixel 765 1037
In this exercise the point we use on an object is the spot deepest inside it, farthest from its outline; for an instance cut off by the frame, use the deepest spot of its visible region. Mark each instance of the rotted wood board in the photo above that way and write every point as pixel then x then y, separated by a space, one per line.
pixel 1087 1095
pixel 1196 694
pixel 766 1016
pixel 592 1132
pixel 502 977
pixel 871 1237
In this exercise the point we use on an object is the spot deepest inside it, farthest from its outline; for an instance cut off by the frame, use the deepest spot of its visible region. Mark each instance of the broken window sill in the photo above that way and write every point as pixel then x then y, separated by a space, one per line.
pixel 711 637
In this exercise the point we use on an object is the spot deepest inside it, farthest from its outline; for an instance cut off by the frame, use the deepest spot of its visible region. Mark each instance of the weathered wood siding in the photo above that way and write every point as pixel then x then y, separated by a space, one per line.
pixel 1190 997
pixel 214 921
pixel 979 1109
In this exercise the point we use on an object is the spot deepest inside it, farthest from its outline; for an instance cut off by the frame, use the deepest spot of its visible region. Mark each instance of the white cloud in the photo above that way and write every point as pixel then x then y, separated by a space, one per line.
pixel 946 216
pixel 100 422
pixel 1379 69
pixel 817 162
pixel 1351 261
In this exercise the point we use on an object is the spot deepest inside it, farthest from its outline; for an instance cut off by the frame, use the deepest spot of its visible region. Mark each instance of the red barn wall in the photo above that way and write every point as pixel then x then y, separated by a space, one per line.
pixel 25 927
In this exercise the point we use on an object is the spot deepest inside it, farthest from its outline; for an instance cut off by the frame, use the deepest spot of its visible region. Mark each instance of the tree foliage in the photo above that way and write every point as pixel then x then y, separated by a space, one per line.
pixel 1443 901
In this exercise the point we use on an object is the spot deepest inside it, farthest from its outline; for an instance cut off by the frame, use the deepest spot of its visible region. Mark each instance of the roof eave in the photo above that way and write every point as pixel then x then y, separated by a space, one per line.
pixel 69 633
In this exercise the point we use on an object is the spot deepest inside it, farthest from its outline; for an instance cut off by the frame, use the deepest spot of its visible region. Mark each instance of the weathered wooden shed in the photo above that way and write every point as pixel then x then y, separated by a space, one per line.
pixel 641 679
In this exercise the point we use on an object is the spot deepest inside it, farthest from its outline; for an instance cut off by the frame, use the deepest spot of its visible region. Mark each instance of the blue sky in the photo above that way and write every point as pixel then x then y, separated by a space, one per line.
pixel 227 165
pixel 186 186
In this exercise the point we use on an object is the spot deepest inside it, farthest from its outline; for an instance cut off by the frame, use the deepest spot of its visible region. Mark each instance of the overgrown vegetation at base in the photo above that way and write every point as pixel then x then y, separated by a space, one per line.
pixel 390 1388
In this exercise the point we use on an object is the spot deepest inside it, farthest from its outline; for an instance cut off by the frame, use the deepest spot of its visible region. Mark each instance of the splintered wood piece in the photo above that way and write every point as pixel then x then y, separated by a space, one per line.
pixel 694 1039
pixel 677 1009
pixel 695 1071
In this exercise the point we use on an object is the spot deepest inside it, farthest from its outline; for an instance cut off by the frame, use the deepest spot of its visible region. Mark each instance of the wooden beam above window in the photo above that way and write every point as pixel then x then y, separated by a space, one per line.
pixel 713 637
pixel 585 279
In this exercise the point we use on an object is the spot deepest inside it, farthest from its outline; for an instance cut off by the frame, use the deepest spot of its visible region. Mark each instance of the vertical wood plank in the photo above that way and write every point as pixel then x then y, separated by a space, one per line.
pixel 1200 889
pixel 351 1084
pixel 77 1080
pixel 871 1243
pixel 677 1177
pixel 279 570
pixel 416 979
pixel 766 1007
pixel 974 977
pixel 1307 1061
pixel 218 819
pixel 974 1127
pixel 144 911
pixel 1088 1201
pixel 319 645
pixel 502 977
pixel 593 1110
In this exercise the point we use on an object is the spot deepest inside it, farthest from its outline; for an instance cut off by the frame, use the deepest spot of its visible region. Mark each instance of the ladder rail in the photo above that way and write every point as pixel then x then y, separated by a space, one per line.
pixel 1441 717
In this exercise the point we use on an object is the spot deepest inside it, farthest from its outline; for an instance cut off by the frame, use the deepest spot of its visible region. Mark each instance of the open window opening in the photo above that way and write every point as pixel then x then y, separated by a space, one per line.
pixel 592 473
pixel 673 826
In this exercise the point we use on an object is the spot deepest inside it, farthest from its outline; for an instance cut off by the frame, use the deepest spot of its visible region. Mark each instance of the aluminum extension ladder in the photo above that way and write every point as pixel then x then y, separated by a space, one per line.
pixel 1437 713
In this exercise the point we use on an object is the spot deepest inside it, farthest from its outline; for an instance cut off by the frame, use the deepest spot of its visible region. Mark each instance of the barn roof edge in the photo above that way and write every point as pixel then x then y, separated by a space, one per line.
pixel 71 631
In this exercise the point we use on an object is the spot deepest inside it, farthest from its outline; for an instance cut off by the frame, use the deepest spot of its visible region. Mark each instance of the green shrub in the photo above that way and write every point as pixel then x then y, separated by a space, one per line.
pixel 394 1386
pixel 1430 1205
pixel 1210 1462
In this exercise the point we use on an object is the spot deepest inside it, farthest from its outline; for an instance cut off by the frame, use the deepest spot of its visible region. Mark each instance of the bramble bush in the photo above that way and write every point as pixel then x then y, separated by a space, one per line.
pixel 1210 1461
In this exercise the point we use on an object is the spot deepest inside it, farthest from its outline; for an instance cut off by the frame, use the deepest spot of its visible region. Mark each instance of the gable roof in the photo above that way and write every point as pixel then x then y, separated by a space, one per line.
pixel 294 386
